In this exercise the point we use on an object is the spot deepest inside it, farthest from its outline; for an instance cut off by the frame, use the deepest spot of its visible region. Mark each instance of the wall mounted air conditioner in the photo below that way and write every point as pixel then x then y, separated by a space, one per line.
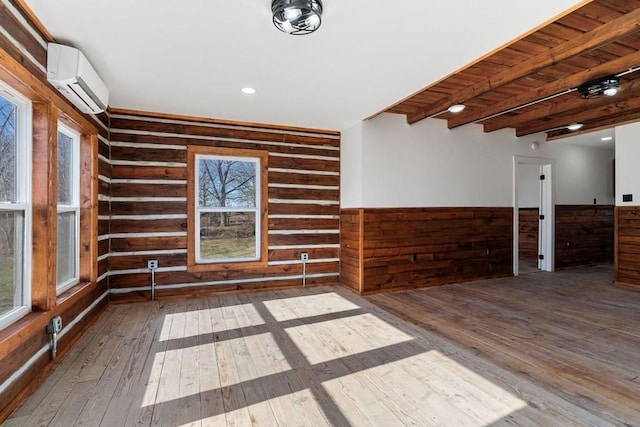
pixel 69 71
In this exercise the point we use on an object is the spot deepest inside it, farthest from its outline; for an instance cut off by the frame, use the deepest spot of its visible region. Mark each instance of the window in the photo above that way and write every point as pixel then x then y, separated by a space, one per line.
pixel 227 206
pixel 67 260
pixel 15 208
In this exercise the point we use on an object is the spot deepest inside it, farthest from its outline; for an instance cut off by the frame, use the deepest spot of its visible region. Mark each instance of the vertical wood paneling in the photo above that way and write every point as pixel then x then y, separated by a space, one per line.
pixel 149 204
pixel 528 224
pixel 584 235
pixel 44 205
pixel 627 270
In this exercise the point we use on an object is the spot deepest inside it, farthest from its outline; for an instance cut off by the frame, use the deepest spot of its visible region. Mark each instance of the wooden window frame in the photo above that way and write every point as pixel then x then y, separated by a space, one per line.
pixel 192 264
pixel 49 107
pixel 73 206
pixel 22 202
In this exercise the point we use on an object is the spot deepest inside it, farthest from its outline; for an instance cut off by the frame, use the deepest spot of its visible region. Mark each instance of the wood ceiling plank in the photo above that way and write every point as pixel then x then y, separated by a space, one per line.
pixel 596 125
pixel 610 109
pixel 600 36
pixel 613 67
pixel 558 106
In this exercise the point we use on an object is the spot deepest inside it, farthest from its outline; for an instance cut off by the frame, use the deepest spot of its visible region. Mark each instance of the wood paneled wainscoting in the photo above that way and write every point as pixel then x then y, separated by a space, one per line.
pixel 149 204
pixel 390 249
pixel 584 235
pixel 627 233
pixel 528 224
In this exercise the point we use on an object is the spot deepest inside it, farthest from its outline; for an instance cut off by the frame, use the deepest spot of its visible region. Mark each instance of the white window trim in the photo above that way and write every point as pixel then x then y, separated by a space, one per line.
pixel 74 206
pixel 256 209
pixel 23 159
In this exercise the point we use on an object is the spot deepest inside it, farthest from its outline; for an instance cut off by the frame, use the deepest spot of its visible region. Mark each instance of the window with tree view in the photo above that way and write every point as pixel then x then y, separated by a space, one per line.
pixel 67 261
pixel 14 206
pixel 227 209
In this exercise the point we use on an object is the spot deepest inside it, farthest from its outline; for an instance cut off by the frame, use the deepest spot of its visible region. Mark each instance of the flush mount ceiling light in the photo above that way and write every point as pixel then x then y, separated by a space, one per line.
pixel 607 86
pixel 606 138
pixel 297 17
pixel 456 108
pixel 248 90
pixel 575 126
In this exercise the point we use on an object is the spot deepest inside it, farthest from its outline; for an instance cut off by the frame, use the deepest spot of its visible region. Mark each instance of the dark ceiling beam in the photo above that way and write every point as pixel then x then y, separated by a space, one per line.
pixel 563 104
pixel 615 108
pixel 613 30
pixel 612 67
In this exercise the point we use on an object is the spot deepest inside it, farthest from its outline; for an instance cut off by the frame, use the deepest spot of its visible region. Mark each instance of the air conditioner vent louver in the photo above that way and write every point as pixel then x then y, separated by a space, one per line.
pixel 69 71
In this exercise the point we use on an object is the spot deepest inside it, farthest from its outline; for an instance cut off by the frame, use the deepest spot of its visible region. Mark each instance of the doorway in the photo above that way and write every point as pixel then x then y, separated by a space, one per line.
pixel 533 204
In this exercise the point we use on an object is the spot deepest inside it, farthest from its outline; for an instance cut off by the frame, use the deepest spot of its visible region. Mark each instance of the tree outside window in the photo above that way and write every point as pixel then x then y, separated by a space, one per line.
pixel 228 209
pixel 14 207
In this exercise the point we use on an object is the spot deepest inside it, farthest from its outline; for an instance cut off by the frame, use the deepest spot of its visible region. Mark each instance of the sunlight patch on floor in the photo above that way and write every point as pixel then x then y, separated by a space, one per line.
pixel 209 313
pixel 324 341
pixel 314 305
pixel 431 387
pixel 169 380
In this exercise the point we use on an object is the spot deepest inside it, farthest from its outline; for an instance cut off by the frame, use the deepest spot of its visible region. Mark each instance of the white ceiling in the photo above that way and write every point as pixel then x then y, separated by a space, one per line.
pixel 592 139
pixel 193 57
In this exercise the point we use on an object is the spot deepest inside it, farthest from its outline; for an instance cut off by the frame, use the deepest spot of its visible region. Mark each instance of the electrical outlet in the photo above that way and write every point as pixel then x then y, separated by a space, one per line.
pixel 55 325
pixel 152 264
pixel 304 257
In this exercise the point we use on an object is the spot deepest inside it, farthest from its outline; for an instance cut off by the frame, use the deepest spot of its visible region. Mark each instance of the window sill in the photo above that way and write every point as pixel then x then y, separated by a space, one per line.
pixel 232 266
pixel 72 291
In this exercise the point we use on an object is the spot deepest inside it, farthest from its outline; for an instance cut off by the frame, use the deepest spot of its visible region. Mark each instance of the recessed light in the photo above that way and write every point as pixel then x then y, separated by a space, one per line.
pixel 248 90
pixel 607 138
pixel 456 108
pixel 575 126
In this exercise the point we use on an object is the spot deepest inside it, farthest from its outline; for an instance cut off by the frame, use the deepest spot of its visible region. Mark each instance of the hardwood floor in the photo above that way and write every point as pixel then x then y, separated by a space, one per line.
pixel 541 349
pixel 570 332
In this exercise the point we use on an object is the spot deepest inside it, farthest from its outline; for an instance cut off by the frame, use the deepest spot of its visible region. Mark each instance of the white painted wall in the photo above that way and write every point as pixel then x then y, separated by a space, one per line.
pixel 351 167
pixel 528 186
pixel 426 164
pixel 628 163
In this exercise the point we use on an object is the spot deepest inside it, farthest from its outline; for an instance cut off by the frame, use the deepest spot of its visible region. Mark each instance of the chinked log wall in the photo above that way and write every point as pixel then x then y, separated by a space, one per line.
pixel 149 204
pixel 628 246
pixel 584 235
pixel 21 344
pixel 390 249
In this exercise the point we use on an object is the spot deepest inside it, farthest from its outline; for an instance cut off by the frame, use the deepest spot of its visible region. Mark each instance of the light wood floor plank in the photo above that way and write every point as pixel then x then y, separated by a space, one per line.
pixel 541 349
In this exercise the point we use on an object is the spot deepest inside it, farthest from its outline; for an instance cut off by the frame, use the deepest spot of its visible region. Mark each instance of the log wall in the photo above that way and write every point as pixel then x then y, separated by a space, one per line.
pixel 528 224
pixel 148 216
pixel 584 235
pixel 417 247
pixel 627 233
pixel 23 344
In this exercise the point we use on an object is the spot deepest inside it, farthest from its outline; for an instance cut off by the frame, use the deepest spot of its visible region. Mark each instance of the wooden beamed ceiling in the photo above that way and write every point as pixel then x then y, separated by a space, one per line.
pixel 530 85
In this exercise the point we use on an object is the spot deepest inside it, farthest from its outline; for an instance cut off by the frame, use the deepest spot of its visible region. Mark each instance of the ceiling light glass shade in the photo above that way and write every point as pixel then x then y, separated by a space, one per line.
pixel 607 86
pixel 456 108
pixel 575 126
pixel 297 17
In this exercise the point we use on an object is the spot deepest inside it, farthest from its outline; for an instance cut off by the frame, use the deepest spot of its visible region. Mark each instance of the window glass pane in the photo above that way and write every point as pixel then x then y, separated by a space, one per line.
pixel 65 168
pixel 8 145
pixel 11 232
pixel 226 183
pixel 66 260
pixel 227 235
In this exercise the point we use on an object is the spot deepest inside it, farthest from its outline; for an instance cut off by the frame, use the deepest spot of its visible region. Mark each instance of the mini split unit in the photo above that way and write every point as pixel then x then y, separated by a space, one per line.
pixel 69 71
